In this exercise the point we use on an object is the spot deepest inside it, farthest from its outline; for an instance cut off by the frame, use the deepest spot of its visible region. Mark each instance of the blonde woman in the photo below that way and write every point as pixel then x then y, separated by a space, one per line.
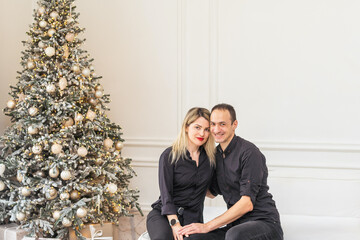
pixel 185 172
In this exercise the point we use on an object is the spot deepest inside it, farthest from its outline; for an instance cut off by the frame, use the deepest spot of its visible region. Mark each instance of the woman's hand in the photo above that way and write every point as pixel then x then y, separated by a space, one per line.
pixel 175 229
pixel 194 228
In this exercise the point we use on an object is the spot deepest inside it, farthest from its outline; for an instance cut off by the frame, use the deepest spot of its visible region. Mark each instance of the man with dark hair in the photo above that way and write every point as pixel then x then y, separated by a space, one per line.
pixel 241 177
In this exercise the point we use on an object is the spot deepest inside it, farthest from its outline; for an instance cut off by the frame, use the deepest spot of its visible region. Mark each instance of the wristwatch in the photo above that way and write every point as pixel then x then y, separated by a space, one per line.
pixel 173 221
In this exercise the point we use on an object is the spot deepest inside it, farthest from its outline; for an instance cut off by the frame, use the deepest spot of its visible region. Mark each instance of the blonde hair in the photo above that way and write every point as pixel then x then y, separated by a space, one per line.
pixel 180 144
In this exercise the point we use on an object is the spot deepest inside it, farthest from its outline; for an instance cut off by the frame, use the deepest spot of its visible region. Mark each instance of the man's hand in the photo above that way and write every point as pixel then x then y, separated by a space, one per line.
pixel 194 228
pixel 176 229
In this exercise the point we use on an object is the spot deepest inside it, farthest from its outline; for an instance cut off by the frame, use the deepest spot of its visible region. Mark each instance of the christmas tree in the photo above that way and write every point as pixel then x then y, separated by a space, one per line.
pixel 61 164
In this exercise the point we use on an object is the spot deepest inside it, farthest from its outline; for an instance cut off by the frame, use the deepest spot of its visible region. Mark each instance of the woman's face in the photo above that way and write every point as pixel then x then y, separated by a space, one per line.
pixel 198 132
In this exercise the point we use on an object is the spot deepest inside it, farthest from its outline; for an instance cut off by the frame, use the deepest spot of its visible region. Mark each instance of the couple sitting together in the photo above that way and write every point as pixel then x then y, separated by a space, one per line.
pixel 193 168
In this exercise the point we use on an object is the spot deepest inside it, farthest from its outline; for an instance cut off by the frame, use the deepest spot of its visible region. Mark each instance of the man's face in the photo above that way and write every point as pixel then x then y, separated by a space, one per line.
pixel 221 127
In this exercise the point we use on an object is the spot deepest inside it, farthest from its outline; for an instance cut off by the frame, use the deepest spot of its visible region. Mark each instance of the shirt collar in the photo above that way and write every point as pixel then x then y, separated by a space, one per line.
pixel 229 148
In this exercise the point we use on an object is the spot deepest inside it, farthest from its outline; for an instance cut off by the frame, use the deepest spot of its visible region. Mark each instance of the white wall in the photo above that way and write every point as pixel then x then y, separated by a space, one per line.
pixel 290 68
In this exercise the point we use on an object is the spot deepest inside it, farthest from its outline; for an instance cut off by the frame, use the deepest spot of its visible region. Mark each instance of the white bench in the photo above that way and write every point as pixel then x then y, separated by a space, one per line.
pixel 298 227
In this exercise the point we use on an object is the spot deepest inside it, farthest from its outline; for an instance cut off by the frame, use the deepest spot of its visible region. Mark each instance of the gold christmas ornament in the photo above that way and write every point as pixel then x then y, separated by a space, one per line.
pixel 54 15
pixel 64 196
pixel 52 191
pixel 65 175
pixel 54 172
pixel 119 145
pixel 20 216
pixel 56 148
pixel 108 143
pixel 99 88
pixel 33 111
pixel 90 115
pixel 86 72
pixel 82 151
pixel 93 101
pixel 50 51
pixel 99 94
pixel 2 186
pixel 75 68
pixel 32 130
pixel 51 32
pixel 36 149
pixel 19 177
pixel 70 37
pixel 56 214
pixel 42 24
pixel 30 65
pixel 11 104
pixel 68 123
pixel 62 83
pixel 2 169
pixel 81 212
pixel 74 195
pixel 111 188
pixel 25 191
pixel 66 222
pixel 41 10
pixel 50 88
pixel 99 161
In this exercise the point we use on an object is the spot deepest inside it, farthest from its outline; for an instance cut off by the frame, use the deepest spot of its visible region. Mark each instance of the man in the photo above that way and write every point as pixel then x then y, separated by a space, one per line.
pixel 241 177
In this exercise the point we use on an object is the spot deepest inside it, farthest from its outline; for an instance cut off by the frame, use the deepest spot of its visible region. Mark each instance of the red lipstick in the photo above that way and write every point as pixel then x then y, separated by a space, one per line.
pixel 200 139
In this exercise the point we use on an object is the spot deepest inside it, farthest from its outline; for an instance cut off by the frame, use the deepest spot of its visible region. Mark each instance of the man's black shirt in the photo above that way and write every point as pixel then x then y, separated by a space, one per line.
pixel 183 184
pixel 241 171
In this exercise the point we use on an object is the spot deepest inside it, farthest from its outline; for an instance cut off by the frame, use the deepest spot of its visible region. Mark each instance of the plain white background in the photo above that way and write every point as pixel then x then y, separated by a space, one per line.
pixel 290 68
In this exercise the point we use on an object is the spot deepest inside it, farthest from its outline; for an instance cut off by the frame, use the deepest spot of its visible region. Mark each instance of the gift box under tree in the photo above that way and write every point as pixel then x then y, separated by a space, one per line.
pixel 106 231
pixel 11 232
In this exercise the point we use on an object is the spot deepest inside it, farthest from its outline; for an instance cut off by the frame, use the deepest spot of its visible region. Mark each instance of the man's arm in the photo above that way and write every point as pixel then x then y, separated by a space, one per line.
pixel 240 208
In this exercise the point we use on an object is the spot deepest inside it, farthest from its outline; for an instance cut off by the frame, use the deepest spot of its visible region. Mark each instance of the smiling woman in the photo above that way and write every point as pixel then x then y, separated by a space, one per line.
pixel 185 173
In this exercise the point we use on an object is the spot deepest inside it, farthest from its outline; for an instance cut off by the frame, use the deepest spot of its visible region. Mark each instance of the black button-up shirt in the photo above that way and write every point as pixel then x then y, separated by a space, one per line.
pixel 241 171
pixel 183 184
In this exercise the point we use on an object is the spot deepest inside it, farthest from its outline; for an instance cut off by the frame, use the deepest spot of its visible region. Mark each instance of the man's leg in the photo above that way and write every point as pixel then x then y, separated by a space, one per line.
pixel 255 230
pixel 218 234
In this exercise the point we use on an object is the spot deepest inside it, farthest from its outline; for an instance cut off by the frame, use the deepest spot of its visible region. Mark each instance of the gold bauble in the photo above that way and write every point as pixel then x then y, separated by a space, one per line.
pixel 11 104
pixel 68 123
pixel 2 186
pixel 62 83
pixel 66 222
pixel 99 94
pixel 91 115
pixel 56 148
pixel 25 191
pixel 99 88
pixel 74 195
pixel 70 37
pixel 82 151
pixel 79 117
pixel 54 172
pixel 75 68
pixel 119 145
pixel 36 149
pixel 108 143
pixel 32 130
pixel 51 32
pixel 86 72
pixel 54 15
pixel 56 214
pixel 64 196
pixel 99 161
pixel 65 175
pixel 20 216
pixel 33 111
pixel 30 65
pixel 81 212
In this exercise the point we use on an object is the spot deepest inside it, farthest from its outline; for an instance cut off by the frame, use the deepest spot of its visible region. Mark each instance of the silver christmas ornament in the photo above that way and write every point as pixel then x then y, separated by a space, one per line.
pixel 99 94
pixel 64 196
pixel 108 143
pixel 25 191
pixel 30 65
pixel 111 188
pixel 42 24
pixel 86 72
pixel 54 15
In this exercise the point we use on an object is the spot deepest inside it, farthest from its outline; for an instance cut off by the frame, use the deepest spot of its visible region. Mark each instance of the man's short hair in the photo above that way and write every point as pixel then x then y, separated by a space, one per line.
pixel 224 106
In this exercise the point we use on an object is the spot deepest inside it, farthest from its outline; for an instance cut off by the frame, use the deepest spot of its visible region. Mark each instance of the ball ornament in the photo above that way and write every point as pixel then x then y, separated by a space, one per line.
pixel 36 149
pixel 65 175
pixel 119 145
pixel 25 191
pixel 20 216
pixel 112 188
pixel 54 172
pixel 99 94
pixel 70 37
pixel 50 51
pixel 81 212
pixel 56 148
pixel 11 104
pixel 32 130
pixel 51 32
pixel 42 24
pixel 66 222
pixel 74 195
pixel 91 115
pixel 50 88
pixel 56 214
pixel 2 186
pixel 82 151
pixel 33 111
pixel 2 169
pixel 64 196
pixel 63 83
pixel 108 143
pixel 30 65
